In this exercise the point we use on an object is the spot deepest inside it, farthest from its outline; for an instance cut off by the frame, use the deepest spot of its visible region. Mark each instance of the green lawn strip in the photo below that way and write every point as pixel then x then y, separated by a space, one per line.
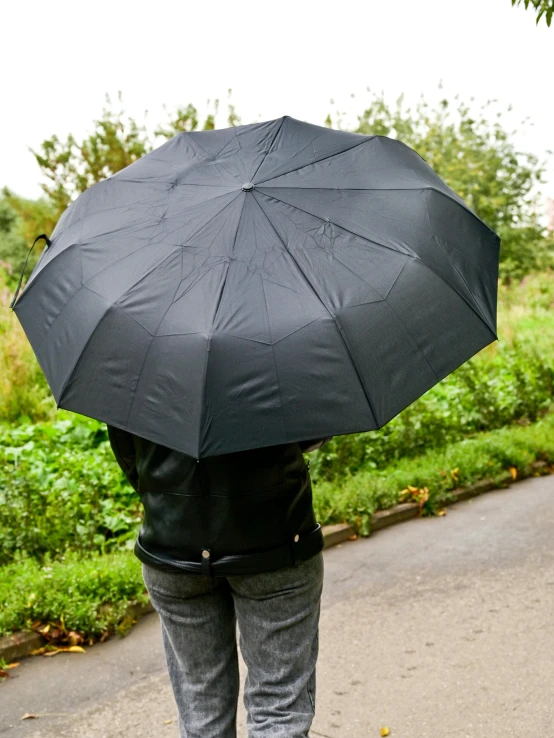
pixel 489 455
pixel 89 592
pixel 86 593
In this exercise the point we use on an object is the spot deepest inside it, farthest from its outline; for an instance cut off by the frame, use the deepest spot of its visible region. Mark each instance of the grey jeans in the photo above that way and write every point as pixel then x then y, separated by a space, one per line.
pixel 278 618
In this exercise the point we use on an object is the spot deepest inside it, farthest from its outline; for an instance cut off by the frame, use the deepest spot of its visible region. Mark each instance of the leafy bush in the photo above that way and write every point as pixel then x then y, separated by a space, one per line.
pixel 355 497
pixel 88 595
pixel 24 392
pixel 61 489
pixel 498 387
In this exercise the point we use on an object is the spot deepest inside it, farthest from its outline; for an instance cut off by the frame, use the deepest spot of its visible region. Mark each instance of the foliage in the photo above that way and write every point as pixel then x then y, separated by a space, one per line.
pixel 21 221
pixel 24 392
pixel 475 155
pixel 496 388
pixel 13 247
pixel 71 166
pixel 117 140
pixel 61 489
pixel 542 8
pixel 88 595
pixel 355 497
pixel 187 119
pixel 526 312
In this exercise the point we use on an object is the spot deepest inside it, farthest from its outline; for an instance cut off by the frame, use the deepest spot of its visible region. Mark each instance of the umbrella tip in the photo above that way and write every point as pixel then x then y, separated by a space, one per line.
pixel 247 187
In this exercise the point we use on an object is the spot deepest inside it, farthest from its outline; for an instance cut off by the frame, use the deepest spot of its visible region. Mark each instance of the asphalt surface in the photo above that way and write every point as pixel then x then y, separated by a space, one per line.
pixel 436 627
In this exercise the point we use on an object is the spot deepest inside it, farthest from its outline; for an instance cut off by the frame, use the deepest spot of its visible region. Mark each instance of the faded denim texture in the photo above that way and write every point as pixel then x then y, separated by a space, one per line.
pixel 278 617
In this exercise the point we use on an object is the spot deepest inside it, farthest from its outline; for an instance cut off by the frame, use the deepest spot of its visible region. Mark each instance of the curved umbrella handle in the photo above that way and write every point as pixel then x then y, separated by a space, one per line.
pixel 48 243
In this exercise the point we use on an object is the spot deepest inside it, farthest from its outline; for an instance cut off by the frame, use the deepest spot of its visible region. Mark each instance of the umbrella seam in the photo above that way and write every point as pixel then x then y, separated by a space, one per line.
pixel 437 240
pixel 211 157
pixel 462 297
pixel 110 306
pixel 415 343
pixel 412 254
pixel 149 347
pixel 317 161
pixel 132 253
pixel 79 244
pixel 438 192
pixel 317 247
pixel 220 297
pixel 455 268
pixel 269 147
pixel 347 230
pixel 333 317
pixel 195 233
pixel 274 362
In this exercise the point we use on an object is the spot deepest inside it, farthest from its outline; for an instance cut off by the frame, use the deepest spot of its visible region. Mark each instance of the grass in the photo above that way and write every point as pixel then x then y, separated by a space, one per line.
pixel 24 392
pixel 490 455
pixel 87 595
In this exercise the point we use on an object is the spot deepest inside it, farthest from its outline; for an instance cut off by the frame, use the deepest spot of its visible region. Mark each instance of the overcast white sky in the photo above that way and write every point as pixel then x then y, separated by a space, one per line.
pixel 59 58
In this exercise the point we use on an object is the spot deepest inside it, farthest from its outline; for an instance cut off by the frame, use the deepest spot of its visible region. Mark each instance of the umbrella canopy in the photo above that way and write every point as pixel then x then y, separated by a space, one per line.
pixel 259 285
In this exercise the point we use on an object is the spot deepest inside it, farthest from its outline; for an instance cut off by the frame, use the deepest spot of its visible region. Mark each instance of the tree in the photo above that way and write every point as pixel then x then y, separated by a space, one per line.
pixel 21 221
pixel 542 8
pixel 117 140
pixel 70 167
pixel 475 156
pixel 186 119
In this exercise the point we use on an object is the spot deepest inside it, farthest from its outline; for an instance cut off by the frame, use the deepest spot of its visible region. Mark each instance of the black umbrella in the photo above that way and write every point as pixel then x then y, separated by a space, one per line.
pixel 258 285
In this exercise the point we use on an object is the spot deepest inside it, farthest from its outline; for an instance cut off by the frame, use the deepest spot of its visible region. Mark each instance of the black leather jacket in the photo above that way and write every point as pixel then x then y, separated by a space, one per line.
pixel 238 513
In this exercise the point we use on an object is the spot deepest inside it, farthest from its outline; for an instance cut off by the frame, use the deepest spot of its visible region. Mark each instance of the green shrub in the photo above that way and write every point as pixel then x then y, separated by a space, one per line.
pixel 355 497
pixel 24 392
pixel 61 489
pixel 86 594
pixel 496 388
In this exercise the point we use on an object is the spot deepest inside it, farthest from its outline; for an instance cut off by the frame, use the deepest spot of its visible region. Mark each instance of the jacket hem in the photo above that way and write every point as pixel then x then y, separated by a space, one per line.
pixel 308 545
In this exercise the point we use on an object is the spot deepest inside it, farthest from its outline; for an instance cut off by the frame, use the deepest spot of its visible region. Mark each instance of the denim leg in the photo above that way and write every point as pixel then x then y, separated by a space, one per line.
pixel 278 619
pixel 199 637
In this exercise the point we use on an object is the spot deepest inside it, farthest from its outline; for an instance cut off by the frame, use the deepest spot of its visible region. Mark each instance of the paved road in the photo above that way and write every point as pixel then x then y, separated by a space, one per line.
pixel 437 627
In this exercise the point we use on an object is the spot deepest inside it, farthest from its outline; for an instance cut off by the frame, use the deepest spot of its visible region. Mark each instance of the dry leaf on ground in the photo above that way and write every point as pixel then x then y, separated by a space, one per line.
pixel 65 649
pixel 29 716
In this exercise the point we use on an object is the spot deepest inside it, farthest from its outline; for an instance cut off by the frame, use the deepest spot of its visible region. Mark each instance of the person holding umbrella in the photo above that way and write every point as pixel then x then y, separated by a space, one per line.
pixel 251 512
pixel 218 302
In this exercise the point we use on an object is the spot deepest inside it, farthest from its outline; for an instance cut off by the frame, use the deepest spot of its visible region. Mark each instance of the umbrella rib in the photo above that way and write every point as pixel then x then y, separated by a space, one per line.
pixel 458 272
pixel 384 299
pixel 274 361
pixel 111 305
pixel 316 161
pixel 195 233
pixel 468 303
pixel 269 147
pixel 218 303
pixel 150 346
pixel 412 255
pixel 358 235
pixel 211 157
pixel 333 317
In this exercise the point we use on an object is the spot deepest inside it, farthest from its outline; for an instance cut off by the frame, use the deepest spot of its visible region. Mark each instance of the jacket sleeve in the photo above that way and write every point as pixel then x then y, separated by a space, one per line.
pixel 123 449
pixel 308 446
